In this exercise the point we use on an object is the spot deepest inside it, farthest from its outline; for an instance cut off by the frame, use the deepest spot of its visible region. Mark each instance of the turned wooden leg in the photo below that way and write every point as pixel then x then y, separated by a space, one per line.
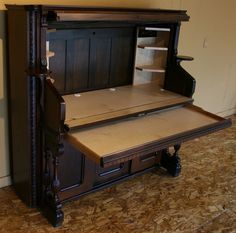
pixel 171 163
pixel 52 211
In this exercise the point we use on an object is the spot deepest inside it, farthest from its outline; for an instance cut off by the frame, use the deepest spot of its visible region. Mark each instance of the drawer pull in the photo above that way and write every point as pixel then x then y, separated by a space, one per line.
pixel 149 158
pixel 112 171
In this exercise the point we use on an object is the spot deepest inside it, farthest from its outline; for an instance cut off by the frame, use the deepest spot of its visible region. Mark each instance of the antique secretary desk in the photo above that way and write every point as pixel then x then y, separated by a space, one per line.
pixel 96 95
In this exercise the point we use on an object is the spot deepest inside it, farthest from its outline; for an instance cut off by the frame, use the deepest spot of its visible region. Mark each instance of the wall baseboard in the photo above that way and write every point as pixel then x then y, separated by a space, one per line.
pixel 226 113
pixel 5 181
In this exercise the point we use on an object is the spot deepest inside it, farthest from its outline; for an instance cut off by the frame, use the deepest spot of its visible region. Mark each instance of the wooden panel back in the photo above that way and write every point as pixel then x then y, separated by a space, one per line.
pixel 88 59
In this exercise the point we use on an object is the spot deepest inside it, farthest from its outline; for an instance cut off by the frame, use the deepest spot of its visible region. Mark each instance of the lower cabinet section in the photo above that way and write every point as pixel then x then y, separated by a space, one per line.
pixel 75 173
pixel 88 176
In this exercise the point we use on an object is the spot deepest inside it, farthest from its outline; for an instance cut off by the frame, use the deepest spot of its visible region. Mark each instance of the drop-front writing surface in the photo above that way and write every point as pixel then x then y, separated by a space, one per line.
pixel 96 106
pixel 114 142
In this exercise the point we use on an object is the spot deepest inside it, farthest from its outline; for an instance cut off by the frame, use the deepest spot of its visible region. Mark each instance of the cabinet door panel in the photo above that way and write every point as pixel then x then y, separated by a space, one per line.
pixel 70 171
pixel 75 172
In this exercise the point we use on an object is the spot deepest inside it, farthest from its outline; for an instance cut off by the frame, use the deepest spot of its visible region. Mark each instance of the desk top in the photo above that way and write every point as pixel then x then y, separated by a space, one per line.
pixel 101 105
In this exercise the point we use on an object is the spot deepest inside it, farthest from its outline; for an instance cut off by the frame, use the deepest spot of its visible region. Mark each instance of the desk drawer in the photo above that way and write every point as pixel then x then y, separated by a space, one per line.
pixel 145 161
pixel 110 173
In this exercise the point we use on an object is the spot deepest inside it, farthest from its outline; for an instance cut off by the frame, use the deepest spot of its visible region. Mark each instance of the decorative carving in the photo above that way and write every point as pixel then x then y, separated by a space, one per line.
pixel 52 205
pixel 34 121
pixel 54 148
pixel 47 174
pixel 172 163
pixel 56 182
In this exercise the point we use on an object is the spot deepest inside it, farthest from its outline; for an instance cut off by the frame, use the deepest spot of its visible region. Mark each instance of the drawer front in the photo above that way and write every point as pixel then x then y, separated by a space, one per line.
pixel 145 161
pixel 103 175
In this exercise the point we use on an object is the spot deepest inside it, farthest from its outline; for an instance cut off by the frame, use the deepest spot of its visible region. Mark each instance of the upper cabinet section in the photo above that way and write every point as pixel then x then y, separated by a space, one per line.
pixel 95 48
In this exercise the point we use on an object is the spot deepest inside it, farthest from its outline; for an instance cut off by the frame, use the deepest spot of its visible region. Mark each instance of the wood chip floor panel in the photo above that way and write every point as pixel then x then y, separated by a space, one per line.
pixel 201 200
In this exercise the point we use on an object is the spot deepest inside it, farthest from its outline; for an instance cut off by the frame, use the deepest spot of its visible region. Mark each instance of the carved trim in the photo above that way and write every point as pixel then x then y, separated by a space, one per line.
pixel 34 101
pixel 54 148
pixel 47 173
pixel 52 206
pixel 33 108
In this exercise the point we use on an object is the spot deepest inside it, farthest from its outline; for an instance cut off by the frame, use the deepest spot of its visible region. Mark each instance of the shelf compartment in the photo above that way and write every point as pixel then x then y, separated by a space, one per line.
pixel 150 68
pixel 152 47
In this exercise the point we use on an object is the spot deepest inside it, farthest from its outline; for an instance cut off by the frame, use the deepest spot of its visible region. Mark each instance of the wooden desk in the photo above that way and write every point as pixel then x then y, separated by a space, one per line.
pixel 133 99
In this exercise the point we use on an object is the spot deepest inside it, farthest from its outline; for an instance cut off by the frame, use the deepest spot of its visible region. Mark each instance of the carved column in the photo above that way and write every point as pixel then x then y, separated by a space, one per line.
pixel 52 207
pixel 172 163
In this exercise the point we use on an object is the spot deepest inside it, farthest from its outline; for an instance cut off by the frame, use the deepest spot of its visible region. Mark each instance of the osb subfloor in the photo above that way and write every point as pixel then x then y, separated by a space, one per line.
pixel 202 199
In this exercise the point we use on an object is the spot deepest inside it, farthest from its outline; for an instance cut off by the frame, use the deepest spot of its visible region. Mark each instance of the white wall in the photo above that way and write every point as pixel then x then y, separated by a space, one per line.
pixel 4 160
pixel 214 67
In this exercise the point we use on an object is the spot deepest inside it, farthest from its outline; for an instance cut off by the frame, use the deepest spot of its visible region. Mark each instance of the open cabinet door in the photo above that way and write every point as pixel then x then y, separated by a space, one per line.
pixel 54 109
pixel 53 128
pixel 123 140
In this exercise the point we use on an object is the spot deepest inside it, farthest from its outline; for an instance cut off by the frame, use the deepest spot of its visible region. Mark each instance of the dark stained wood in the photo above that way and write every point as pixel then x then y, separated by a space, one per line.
pixel 71 173
pixel 114 14
pixel 77 64
pixel 180 81
pixel 111 173
pixel 19 104
pixel 100 62
pixel 57 63
pixel 145 161
pixel 171 162
pixel 54 109
pixel 53 125
pixel 77 173
pixel 122 61
pixel 91 59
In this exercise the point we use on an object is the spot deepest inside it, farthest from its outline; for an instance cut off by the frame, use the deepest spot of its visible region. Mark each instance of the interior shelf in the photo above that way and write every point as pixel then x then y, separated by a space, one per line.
pixel 50 54
pixel 152 47
pixel 51 30
pixel 150 68
pixel 157 29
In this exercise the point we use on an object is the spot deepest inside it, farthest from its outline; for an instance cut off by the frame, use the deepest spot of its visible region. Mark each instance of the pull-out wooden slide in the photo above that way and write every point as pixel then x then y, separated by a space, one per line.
pixel 125 139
